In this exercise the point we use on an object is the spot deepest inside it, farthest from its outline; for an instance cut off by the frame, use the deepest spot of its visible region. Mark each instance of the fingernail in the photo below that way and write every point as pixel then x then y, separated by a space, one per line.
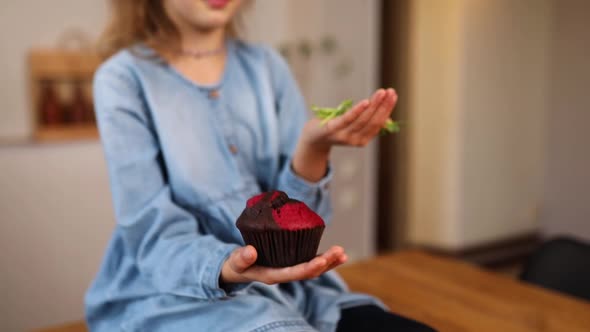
pixel 246 254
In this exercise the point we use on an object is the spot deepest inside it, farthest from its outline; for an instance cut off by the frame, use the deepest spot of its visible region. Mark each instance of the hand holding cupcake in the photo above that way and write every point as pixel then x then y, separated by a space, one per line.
pixel 282 237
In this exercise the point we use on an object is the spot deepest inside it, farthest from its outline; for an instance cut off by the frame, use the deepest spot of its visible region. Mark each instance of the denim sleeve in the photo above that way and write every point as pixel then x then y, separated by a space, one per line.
pixel 292 116
pixel 162 238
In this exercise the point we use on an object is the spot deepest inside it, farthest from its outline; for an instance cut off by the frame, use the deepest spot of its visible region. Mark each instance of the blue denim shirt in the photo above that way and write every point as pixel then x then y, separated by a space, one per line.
pixel 183 159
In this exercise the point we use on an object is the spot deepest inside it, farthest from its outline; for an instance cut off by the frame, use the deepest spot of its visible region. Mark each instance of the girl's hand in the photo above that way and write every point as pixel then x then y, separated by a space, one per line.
pixel 239 267
pixel 357 127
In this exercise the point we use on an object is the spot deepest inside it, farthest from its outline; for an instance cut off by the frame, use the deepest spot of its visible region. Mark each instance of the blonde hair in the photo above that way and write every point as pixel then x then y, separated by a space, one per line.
pixel 143 21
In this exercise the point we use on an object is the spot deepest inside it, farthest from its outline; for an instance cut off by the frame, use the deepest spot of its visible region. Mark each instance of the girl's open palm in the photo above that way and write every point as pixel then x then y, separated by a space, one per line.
pixel 239 267
pixel 357 126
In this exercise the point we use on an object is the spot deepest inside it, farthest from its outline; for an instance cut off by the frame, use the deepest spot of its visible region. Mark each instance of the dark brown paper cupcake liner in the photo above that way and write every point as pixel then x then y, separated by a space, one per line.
pixel 280 248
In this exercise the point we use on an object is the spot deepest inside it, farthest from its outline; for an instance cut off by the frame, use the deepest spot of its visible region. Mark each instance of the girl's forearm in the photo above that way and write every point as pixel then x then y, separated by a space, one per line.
pixel 310 161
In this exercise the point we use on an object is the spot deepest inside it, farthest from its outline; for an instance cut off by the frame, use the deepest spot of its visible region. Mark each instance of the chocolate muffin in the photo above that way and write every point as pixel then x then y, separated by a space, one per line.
pixel 284 231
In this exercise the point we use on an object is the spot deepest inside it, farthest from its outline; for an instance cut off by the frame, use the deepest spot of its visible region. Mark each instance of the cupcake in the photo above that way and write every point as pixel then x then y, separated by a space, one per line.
pixel 284 231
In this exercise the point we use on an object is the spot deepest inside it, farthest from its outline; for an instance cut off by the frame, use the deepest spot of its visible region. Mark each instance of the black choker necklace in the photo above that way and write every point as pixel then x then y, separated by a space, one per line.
pixel 202 54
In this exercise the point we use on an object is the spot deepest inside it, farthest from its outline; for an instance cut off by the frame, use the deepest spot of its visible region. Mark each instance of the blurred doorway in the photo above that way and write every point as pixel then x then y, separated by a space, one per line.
pixel 392 154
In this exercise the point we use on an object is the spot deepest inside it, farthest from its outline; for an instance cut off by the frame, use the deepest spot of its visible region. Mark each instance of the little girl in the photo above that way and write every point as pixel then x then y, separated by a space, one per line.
pixel 193 123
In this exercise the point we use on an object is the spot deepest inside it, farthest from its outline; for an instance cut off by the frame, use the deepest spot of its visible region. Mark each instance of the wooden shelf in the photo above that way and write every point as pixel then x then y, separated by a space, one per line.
pixel 64 77
pixel 52 63
pixel 66 133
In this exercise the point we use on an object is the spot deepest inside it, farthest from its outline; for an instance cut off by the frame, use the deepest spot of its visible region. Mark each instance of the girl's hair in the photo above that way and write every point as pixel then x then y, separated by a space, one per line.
pixel 142 21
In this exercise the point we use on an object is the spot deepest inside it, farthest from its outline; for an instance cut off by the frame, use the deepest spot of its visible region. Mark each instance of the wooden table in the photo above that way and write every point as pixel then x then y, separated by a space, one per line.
pixel 453 296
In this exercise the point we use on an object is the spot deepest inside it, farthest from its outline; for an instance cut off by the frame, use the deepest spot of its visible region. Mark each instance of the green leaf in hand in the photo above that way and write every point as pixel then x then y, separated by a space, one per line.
pixel 344 106
pixel 390 127
pixel 328 113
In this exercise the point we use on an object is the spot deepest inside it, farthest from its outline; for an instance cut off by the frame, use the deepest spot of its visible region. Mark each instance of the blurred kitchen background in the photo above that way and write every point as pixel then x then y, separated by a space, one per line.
pixel 492 158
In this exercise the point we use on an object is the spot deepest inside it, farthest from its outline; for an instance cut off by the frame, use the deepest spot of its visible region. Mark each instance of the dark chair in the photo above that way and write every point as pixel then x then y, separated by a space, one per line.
pixel 561 264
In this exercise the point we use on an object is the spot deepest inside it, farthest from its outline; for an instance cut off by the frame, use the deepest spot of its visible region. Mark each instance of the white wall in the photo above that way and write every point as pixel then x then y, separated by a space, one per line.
pixel 566 208
pixel 504 96
pixel 55 209
pixel 56 217
pixel 477 119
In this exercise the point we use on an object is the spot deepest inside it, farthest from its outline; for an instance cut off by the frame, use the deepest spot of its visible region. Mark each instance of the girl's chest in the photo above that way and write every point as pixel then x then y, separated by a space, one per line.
pixel 215 141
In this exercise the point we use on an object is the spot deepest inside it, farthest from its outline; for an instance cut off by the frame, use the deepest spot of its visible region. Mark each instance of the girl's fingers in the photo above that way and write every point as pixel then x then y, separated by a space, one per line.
pixel 304 270
pixel 242 258
pixel 341 260
pixel 334 257
pixel 333 254
pixel 320 264
pixel 347 118
pixel 389 104
pixel 286 274
pixel 373 127
pixel 361 121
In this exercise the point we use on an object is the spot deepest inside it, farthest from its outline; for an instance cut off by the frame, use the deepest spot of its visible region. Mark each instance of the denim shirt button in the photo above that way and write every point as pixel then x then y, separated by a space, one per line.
pixel 214 94
pixel 233 149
